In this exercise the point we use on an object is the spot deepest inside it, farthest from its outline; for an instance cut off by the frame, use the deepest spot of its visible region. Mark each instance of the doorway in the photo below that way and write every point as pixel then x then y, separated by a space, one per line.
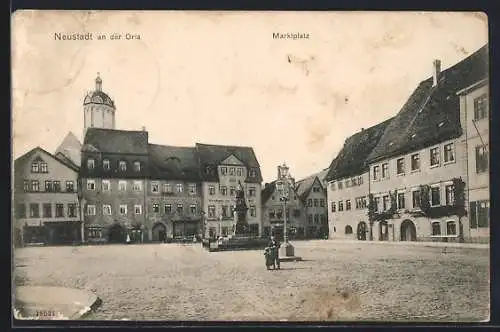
pixel 117 234
pixel 383 231
pixel 408 231
pixel 159 233
pixel 362 231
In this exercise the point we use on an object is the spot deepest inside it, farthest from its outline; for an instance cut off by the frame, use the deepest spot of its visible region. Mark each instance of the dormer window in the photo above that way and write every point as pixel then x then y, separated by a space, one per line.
pixel 413 136
pixel 105 164
pixel 440 124
pixel 223 170
pixel 90 164
pixel 209 170
pixel 137 166
pixel 252 173
pixel 122 166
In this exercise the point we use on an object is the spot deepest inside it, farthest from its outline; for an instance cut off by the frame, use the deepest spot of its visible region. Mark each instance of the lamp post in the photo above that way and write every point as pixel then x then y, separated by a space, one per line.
pixel 284 187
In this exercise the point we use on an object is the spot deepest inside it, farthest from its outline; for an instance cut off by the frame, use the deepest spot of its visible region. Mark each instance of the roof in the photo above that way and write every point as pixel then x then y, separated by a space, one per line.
pixel 173 162
pixel 432 114
pixel 71 148
pixel 65 160
pixel 98 97
pixel 351 159
pixel 211 155
pixel 20 160
pixel 116 141
pixel 267 191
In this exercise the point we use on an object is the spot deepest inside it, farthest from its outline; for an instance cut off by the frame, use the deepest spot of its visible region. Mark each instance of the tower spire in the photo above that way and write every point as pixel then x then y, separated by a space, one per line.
pixel 98 83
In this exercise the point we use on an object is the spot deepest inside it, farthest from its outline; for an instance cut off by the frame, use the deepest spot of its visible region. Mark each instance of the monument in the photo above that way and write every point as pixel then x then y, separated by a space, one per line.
pixel 240 213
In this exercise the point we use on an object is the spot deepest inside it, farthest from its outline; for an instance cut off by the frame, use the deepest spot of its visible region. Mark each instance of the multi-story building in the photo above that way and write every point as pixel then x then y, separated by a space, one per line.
pixel 273 207
pixel 348 185
pixel 419 167
pixel 223 170
pixel 312 192
pixel 474 110
pixel 45 200
pixel 174 207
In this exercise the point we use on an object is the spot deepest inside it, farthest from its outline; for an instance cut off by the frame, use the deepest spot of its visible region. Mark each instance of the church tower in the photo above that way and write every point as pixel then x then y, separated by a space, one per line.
pixel 98 109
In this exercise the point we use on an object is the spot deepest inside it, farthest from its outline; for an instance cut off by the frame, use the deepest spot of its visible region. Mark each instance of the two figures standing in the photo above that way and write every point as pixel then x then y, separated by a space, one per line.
pixel 271 254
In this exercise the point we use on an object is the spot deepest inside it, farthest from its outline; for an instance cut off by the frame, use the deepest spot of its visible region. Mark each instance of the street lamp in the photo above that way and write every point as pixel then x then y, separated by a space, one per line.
pixel 284 189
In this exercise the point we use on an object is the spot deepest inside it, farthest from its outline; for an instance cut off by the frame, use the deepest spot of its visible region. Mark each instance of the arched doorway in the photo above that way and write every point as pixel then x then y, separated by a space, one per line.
pixel 408 231
pixel 159 233
pixel 117 234
pixel 361 231
pixel 383 231
pixel 348 230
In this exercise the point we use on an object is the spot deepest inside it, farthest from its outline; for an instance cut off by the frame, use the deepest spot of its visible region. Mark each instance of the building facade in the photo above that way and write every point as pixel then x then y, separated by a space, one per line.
pixel 45 200
pixel 474 110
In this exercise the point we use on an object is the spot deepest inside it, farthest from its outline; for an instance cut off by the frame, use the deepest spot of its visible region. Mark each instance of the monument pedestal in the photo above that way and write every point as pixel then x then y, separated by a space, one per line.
pixel 287 253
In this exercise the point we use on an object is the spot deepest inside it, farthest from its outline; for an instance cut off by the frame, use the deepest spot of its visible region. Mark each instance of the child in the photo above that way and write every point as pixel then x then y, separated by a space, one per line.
pixel 268 254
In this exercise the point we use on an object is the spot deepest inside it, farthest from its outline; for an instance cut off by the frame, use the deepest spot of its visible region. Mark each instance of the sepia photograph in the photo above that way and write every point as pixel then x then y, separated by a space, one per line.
pixel 250 166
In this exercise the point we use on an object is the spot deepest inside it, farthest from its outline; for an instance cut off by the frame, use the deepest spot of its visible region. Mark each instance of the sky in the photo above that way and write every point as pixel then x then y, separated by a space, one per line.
pixel 221 78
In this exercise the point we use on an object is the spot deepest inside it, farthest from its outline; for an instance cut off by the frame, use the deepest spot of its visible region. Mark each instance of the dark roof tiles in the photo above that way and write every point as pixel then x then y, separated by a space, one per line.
pixel 116 141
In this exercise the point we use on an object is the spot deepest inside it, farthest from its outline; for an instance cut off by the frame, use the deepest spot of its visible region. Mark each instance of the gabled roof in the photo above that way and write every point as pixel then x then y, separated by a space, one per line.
pixel 173 162
pixel 71 148
pixel 62 158
pixel 303 187
pixel 22 159
pixel 116 141
pixel 212 155
pixel 431 114
pixel 351 160
pixel 267 192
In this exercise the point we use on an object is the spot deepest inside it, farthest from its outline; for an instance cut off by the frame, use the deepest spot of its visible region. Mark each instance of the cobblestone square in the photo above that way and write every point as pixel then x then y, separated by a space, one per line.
pixel 336 281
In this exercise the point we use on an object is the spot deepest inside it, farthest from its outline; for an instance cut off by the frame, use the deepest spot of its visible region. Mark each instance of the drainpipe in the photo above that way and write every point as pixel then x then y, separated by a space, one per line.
pixel 466 200
pixel 369 192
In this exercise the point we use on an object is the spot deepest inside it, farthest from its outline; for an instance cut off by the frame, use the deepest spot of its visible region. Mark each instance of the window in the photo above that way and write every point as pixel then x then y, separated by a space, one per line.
pixel 122 166
pixel 34 167
pixel 310 218
pixel 340 185
pixel 71 210
pixel 21 210
pixel 167 188
pixel 415 162
pixel 91 210
pixel 59 210
pixel 385 203
pixel 90 164
pixel 156 207
pixel 480 107
pixel 231 208
pixel 450 194
pixel 57 186
pixel 123 209
pixel 122 185
pixel 47 210
pixel 105 164
pixel 347 183
pixel 70 186
pixel 376 202
pixel 434 154
pixel 211 190
pixel 180 187
pixel 192 188
pixel 223 190
pixel 34 210
pixel 232 190
pixel 239 171
pixel 385 170
pixel 231 171
pixel 348 204
pixel 90 184
pixel 94 233
pixel 334 208
pixel 252 173
pixel 180 209
pixel 363 202
pixel 251 191
pixel 322 202
pixel 138 209
pixel 43 167
pixel 211 211
pixel 316 218
pixel 360 180
pixel 479 214
pixel 253 211
pixel 35 186
pixel 316 202
pixel 436 228
pixel 416 198
pixel 106 210
pixel 376 172
pixel 341 206
pixel 354 182
pixel 451 228
pixel 137 185
pixel 137 166
pixel 357 201
pixel 348 230
pixel 209 170
pixel 481 159
pixel 192 209
pixel 332 186
pixel 106 185
pixel 48 186
pixel 224 211
pixel 155 187
pixel 167 208
pixel 272 214
pixel 449 153
pixel 400 166
pixel 401 201
pixel 223 170
pixel 435 196
pixel 26 185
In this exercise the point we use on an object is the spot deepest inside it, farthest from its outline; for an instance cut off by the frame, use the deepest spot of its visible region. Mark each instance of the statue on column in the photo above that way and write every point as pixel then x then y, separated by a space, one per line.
pixel 240 212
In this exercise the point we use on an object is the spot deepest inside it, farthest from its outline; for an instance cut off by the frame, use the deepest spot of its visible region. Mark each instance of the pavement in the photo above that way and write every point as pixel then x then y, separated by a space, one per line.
pixel 405 243
pixel 48 303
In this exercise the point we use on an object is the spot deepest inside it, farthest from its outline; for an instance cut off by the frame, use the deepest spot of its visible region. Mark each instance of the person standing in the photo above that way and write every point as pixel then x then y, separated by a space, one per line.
pixel 275 245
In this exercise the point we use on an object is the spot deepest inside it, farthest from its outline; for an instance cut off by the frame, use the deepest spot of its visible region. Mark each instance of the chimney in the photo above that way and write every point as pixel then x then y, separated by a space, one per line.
pixel 143 128
pixel 436 72
pixel 362 129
